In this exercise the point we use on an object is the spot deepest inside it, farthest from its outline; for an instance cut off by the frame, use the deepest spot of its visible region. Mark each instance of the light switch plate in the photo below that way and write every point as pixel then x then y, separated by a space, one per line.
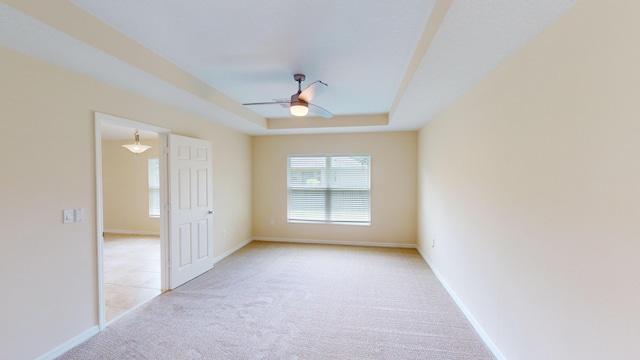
pixel 68 216
pixel 79 215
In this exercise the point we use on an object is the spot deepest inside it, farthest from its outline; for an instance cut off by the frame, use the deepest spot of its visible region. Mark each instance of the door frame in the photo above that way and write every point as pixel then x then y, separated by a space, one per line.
pixel 100 119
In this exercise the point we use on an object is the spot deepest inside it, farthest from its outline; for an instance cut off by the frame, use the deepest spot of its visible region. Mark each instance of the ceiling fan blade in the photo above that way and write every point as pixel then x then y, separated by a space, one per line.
pixel 285 103
pixel 269 103
pixel 311 91
pixel 319 111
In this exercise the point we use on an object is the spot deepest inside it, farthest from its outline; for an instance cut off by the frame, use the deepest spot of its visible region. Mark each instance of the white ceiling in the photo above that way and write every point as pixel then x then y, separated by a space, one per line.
pixel 377 56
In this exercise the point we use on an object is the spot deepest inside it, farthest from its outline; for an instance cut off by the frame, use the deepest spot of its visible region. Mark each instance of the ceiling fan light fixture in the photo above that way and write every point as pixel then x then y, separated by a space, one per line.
pixel 299 108
pixel 136 147
pixel 300 101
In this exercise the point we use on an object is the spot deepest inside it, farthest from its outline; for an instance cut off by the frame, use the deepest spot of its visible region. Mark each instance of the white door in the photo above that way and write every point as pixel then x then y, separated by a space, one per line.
pixel 190 210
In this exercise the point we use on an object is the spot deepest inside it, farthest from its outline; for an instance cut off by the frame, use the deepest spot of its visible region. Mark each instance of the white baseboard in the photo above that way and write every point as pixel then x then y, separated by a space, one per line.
pixel 132 232
pixel 483 335
pixel 231 251
pixel 335 242
pixel 77 340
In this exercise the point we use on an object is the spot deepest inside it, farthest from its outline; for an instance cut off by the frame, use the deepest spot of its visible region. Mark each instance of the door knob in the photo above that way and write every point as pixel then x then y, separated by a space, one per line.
pixel 210 211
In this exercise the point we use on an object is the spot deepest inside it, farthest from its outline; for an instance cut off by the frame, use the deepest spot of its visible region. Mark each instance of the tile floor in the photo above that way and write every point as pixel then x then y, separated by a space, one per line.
pixel 131 272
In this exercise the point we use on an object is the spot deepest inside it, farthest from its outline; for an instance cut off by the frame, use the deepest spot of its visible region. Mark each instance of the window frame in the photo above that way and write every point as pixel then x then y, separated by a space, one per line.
pixel 330 175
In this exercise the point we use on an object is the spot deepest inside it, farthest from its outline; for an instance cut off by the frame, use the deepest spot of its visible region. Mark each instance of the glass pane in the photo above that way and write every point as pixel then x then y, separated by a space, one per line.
pixel 307 171
pixel 154 187
pixel 154 173
pixel 307 205
pixel 154 202
pixel 350 205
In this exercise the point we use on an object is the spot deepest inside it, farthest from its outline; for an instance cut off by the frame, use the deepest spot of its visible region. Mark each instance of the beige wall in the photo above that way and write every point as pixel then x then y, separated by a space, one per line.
pixel 48 269
pixel 393 186
pixel 125 188
pixel 530 186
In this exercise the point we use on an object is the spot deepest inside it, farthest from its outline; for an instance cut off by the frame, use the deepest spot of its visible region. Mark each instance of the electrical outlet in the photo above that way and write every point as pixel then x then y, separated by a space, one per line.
pixel 272 222
pixel 79 215
pixel 224 232
pixel 67 216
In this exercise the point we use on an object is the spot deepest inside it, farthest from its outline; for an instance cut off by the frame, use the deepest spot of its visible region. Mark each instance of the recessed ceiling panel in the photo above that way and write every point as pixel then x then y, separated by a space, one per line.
pixel 250 49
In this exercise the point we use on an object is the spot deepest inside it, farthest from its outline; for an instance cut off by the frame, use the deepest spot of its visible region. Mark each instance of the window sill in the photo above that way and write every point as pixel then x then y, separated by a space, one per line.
pixel 328 222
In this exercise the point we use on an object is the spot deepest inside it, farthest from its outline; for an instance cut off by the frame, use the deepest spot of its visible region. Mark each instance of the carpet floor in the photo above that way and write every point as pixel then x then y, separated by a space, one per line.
pixel 298 301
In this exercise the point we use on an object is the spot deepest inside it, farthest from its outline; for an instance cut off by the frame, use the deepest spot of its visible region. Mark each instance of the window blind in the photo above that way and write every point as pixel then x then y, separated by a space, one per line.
pixel 329 188
pixel 154 188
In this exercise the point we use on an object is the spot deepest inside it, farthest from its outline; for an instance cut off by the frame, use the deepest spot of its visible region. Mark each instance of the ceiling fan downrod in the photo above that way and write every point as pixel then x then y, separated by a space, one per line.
pixel 299 78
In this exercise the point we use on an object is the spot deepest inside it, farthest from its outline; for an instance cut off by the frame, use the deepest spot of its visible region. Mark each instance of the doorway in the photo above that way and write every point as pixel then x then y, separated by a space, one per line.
pixel 131 271
pixel 131 236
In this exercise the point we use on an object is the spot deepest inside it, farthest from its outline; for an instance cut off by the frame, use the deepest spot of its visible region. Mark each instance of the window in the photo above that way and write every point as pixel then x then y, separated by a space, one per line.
pixel 329 188
pixel 154 188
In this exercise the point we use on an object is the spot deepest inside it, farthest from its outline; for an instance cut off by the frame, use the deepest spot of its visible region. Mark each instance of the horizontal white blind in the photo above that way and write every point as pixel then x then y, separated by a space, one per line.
pixel 329 188
pixel 154 187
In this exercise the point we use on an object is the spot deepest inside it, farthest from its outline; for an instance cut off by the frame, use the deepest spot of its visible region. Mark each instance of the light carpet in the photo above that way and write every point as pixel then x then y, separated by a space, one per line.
pixel 298 301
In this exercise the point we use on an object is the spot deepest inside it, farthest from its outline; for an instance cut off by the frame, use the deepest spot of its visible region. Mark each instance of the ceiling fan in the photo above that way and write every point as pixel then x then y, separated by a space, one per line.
pixel 300 105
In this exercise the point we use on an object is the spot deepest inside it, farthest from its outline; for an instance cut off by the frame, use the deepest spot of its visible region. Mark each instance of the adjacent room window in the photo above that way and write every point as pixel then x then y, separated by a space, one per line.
pixel 329 188
pixel 154 188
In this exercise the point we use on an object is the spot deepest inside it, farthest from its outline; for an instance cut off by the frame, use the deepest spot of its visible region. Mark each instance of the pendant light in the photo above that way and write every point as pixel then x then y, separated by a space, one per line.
pixel 137 148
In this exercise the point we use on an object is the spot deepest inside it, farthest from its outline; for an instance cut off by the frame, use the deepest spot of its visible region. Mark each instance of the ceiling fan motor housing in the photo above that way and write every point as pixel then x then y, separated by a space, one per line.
pixel 295 100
